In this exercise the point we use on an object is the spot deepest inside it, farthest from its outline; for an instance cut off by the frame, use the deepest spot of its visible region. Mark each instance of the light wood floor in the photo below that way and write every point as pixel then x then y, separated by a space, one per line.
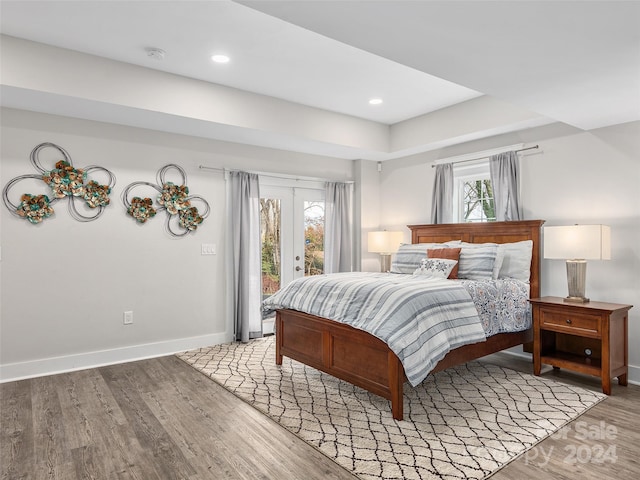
pixel 161 419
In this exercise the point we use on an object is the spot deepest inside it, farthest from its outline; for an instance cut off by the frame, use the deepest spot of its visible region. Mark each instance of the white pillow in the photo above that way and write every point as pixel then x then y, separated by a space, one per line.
pixel 516 261
pixel 435 267
pixel 477 261
pixel 498 262
pixel 409 255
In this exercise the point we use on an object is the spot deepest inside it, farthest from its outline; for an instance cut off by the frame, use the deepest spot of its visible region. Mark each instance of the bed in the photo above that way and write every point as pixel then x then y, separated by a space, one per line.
pixel 358 357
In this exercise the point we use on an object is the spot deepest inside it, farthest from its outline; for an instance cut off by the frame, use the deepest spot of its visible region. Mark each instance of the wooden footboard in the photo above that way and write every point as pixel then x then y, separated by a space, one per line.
pixel 342 351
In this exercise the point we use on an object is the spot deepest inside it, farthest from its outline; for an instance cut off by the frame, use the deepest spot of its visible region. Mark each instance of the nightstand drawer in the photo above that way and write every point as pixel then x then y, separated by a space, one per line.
pixel 577 324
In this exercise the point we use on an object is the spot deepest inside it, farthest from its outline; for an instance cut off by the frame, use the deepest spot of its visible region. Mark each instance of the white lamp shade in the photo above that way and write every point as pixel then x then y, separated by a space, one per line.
pixel 585 242
pixel 384 242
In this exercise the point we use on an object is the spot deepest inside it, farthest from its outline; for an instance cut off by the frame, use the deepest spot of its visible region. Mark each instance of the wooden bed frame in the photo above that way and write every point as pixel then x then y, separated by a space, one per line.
pixel 360 358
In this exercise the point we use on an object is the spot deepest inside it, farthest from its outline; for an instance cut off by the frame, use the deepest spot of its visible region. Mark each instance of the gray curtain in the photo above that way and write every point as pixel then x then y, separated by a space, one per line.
pixel 338 230
pixel 505 179
pixel 245 272
pixel 442 199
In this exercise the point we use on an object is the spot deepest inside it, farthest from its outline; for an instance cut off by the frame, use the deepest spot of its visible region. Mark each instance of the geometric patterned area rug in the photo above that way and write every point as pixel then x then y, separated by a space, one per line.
pixel 465 422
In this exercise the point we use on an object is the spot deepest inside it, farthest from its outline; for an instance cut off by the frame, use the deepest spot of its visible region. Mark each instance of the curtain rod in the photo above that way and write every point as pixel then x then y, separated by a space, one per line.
pixel 276 175
pixel 481 158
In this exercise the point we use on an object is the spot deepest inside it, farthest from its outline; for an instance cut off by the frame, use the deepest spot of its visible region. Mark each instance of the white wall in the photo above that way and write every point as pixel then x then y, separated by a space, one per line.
pixel 64 285
pixel 576 177
pixel 367 211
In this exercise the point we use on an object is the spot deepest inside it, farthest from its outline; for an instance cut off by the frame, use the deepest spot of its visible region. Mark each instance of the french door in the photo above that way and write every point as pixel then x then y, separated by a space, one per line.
pixel 292 233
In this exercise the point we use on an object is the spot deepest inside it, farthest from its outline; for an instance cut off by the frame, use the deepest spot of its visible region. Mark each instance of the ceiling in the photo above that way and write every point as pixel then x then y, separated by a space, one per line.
pixel 572 62
pixel 577 62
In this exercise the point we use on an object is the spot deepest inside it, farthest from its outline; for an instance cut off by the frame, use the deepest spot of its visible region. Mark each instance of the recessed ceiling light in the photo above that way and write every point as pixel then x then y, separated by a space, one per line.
pixel 375 101
pixel 220 58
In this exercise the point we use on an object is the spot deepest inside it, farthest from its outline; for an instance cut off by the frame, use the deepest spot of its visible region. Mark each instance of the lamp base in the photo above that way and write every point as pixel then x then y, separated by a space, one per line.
pixel 385 262
pixel 576 300
pixel 576 281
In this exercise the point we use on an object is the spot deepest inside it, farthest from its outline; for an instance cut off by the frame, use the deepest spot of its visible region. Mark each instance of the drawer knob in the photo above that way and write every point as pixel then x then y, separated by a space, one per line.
pixel 568 321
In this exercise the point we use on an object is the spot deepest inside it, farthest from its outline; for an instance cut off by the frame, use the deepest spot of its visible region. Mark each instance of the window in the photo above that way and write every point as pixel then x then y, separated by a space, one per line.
pixel 473 193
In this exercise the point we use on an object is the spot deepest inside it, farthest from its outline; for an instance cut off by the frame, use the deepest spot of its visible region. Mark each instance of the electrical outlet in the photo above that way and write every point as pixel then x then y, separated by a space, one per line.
pixel 127 318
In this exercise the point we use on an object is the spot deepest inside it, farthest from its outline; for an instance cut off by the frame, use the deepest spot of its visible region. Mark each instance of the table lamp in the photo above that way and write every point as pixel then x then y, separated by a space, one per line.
pixel 385 243
pixel 576 244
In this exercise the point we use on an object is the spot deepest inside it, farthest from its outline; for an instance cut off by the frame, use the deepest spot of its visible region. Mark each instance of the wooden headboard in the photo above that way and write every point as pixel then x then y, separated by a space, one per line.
pixel 496 232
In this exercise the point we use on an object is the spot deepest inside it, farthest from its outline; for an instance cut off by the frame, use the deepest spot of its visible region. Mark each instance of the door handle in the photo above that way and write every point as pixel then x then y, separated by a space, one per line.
pixel 298 268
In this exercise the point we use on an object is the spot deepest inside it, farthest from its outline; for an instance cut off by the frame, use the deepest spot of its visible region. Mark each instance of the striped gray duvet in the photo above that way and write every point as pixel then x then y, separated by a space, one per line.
pixel 419 317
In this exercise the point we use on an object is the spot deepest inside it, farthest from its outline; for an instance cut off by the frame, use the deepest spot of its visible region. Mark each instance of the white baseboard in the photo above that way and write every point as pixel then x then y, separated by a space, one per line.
pixel 69 363
pixel 633 375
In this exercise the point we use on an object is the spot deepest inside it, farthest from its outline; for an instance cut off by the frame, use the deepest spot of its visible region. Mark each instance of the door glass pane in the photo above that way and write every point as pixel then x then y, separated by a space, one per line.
pixel 270 216
pixel 313 238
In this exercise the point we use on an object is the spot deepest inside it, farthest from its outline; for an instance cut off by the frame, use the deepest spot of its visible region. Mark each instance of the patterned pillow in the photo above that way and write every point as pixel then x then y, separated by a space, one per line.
pixel 436 267
pixel 450 253
pixel 477 260
pixel 409 255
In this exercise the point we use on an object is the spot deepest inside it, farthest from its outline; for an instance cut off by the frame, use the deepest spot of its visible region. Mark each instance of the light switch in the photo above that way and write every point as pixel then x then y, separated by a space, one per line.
pixel 208 249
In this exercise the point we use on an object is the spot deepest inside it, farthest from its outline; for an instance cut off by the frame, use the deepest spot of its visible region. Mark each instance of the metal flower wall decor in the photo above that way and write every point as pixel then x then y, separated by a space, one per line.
pixel 172 198
pixel 65 181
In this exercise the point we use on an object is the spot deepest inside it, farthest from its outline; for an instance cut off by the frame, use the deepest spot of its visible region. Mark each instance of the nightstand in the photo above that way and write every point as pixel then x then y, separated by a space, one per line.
pixel 589 338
